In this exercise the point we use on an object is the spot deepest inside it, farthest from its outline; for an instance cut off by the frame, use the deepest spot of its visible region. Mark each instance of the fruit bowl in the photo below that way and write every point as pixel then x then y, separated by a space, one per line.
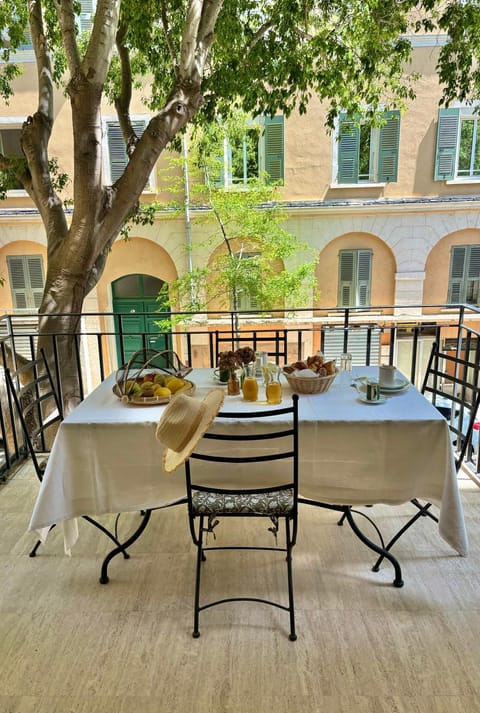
pixel 151 378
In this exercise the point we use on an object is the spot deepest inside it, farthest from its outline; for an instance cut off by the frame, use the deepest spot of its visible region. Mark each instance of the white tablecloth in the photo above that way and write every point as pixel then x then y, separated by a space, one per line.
pixel 106 459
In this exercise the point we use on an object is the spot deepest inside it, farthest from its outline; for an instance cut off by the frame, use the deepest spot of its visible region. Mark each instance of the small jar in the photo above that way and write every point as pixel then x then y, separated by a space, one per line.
pixel 233 384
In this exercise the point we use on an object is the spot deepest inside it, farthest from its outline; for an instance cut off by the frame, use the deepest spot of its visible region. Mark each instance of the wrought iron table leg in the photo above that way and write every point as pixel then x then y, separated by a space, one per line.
pixel 96 524
pixel 423 511
pixel 347 514
pixel 121 548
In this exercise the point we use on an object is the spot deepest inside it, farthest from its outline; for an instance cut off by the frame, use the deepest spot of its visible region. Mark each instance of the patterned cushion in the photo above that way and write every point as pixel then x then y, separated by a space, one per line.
pixel 279 502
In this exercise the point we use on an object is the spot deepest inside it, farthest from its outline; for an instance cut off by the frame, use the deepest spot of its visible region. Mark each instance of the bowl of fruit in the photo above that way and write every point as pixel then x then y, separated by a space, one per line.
pixel 151 378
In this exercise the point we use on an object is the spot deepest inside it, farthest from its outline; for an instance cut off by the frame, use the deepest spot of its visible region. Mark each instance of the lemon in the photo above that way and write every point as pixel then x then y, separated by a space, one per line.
pixel 162 392
pixel 174 384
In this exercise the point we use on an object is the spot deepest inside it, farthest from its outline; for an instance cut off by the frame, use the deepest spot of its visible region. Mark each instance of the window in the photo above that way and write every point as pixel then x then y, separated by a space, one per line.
pixel 249 275
pixel 85 20
pixel 354 277
pixel 116 150
pixel 10 147
pixel 458 145
pixel 251 156
pixel 26 280
pixel 365 154
pixel 464 278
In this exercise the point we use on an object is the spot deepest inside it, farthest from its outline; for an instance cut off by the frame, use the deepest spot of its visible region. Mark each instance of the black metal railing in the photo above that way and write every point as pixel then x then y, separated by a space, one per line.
pixel 105 341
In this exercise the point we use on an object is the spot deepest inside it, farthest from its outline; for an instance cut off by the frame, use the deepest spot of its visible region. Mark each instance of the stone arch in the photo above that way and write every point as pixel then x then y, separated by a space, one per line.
pixel 383 268
pixel 437 266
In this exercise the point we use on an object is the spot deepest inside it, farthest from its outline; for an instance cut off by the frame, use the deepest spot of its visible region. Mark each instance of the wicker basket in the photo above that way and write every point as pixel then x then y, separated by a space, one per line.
pixel 310 384
pixel 145 365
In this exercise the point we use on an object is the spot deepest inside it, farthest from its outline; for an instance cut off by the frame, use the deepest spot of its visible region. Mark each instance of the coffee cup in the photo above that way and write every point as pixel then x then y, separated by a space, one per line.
pixel 222 375
pixel 372 390
pixel 386 375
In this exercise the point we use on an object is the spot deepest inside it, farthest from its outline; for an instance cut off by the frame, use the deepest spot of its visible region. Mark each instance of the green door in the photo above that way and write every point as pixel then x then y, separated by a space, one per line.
pixel 135 299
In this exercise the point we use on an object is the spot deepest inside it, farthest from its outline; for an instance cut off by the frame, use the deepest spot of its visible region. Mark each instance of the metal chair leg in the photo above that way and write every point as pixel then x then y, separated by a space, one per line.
pixel 200 558
pixel 291 607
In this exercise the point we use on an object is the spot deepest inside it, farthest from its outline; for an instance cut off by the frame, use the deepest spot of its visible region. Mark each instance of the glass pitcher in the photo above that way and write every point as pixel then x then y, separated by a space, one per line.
pixel 250 383
pixel 273 387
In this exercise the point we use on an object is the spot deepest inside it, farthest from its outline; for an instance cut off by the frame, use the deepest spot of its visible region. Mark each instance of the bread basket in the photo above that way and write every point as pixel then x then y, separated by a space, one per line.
pixel 310 384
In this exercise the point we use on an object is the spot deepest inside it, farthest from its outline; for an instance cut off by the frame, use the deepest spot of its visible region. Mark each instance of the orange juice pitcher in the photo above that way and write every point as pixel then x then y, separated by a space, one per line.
pixel 250 384
pixel 273 387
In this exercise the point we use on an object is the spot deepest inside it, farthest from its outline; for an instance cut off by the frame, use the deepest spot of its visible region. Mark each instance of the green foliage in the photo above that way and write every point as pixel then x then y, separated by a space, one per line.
pixel 247 222
pixel 458 65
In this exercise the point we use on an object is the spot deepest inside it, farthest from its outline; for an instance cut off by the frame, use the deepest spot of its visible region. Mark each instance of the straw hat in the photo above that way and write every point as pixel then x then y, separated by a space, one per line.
pixel 183 423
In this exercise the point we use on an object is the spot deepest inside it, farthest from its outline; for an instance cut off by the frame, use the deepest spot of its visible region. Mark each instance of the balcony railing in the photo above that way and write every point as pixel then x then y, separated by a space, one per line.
pixel 399 335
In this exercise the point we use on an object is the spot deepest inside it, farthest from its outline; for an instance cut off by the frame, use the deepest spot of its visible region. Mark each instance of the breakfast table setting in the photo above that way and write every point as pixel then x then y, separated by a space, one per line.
pixel 370 437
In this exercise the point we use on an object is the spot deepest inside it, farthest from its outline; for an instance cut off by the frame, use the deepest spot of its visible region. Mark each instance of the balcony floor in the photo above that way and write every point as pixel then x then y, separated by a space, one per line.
pixel 71 645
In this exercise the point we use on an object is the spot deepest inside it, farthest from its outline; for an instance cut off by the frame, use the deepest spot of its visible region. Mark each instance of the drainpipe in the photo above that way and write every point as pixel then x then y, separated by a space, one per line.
pixel 188 227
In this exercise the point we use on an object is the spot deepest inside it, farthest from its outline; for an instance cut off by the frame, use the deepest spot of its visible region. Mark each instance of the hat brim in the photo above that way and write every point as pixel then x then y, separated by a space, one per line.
pixel 213 402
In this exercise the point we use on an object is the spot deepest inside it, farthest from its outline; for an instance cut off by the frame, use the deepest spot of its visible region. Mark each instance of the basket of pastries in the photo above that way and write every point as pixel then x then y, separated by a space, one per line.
pixel 312 376
pixel 150 378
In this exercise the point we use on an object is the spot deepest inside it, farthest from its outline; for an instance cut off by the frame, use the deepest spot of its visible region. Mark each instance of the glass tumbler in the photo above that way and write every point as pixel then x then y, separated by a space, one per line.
pixel 345 367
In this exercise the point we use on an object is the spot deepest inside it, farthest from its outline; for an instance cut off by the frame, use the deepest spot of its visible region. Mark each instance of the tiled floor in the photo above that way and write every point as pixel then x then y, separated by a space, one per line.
pixel 71 645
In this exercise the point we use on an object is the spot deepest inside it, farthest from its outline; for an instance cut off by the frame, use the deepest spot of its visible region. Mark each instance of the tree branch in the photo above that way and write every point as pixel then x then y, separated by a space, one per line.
pixel 122 101
pixel 66 20
pixel 96 63
pixel 36 132
pixel 166 30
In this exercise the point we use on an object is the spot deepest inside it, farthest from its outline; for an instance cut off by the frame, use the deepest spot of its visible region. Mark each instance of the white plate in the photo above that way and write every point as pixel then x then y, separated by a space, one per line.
pixel 398 385
pixel 364 400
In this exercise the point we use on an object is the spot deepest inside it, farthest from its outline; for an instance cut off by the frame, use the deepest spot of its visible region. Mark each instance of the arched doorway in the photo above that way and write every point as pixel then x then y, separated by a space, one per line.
pixel 135 297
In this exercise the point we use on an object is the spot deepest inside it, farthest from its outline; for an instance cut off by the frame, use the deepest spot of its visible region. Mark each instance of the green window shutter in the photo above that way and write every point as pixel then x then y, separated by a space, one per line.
pixel 348 148
pixel 458 261
pixel 364 270
pixel 447 138
pixel 473 275
pixel 354 278
pixel 273 148
pixel 346 285
pixel 26 280
pixel 117 153
pixel 246 301
pixel 388 148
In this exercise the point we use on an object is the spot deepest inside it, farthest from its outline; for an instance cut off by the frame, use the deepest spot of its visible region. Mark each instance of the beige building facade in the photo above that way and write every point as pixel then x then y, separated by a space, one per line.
pixel 392 213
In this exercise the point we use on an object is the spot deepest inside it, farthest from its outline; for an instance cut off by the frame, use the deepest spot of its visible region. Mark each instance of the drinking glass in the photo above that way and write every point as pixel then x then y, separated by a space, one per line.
pixel 345 368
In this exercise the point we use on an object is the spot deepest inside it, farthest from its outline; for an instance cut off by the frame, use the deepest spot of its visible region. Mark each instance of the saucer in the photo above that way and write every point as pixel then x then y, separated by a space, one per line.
pixel 398 385
pixel 364 400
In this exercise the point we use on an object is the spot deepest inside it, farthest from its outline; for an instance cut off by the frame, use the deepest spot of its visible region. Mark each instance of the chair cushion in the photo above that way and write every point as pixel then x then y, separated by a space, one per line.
pixel 278 502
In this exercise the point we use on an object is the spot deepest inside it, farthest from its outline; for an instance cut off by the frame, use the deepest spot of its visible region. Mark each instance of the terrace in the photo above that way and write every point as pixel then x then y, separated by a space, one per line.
pixel 70 644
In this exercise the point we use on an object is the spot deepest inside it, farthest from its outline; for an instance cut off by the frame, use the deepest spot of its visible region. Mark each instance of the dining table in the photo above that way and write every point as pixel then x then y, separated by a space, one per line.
pixel 106 459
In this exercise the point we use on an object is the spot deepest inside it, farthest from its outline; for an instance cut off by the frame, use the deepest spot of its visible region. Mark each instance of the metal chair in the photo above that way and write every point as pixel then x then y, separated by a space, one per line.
pixel 279 501
pixel 452 383
pixel 273 341
pixel 33 395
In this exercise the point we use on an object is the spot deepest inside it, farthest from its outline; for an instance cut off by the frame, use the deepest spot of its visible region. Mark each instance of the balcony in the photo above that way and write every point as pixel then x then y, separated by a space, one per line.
pixel 400 335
